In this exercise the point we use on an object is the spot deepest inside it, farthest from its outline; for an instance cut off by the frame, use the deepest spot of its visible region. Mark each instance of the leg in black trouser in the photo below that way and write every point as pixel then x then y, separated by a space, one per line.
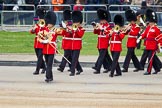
pixel 115 64
pixel 40 61
pixel 101 57
pixel 74 62
pixel 151 63
pixel 158 62
pixel 49 62
pixel 139 44
pixel 107 61
pixel 131 55
pixel 144 58
pixel 67 54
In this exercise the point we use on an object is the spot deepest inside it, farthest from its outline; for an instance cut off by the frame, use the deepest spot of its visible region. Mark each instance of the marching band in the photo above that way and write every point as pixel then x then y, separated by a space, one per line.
pixel 72 33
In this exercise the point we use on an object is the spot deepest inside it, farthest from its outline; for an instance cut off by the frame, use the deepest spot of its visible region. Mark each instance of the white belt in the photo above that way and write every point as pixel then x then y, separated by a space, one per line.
pixel 101 36
pixel 115 41
pixel 72 38
pixel 53 43
pixel 130 36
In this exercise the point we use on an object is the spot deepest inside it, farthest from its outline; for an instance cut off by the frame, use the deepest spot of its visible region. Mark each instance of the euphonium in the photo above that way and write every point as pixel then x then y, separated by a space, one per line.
pixel 74 26
pixel 41 22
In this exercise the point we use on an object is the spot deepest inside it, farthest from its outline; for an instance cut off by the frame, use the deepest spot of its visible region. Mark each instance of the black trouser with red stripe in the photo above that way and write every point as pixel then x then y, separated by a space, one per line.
pixel 131 55
pixel 144 58
pixel 67 54
pixel 152 62
pixel 40 61
pixel 115 63
pixel 49 61
pixel 103 59
pixel 74 62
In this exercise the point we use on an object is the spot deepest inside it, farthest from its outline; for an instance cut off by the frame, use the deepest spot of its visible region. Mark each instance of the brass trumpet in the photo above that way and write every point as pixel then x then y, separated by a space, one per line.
pixel 41 23
pixel 116 28
pixel 74 26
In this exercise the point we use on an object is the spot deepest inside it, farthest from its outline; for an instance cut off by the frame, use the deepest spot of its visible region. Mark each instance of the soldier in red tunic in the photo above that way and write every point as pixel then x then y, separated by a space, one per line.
pixel 102 30
pixel 116 44
pixel 77 34
pixel 132 31
pixel 40 12
pixel 49 41
pixel 67 41
pixel 150 33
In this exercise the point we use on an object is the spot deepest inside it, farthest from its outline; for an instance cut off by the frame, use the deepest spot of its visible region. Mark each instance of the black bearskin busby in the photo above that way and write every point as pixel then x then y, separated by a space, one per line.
pixel 41 12
pixel 151 15
pixel 50 18
pixel 67 15
pixel 77 17
pixel 119 20
pixel 130 15
pixel 103 14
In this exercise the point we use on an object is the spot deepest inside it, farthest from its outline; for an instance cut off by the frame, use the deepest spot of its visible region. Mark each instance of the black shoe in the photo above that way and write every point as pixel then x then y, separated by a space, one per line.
pixel 80 71
pixel 124 70
pixel 94 68
pixel 71 74
pixel 48 80
pixel 43 71
pixel 136 70
pixel 36 73
pixel 156 72
pixel 111 75
pixel 106 71
pixel 147 73
pixel 118 75
pixel 59 69
pixel 96 72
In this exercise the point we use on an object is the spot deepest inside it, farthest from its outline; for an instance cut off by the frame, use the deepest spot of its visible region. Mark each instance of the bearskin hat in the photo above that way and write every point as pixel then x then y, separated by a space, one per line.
pixel 50 18
pixel 41 12
pixel 130 15
pixel 103 14
pixel 77 17
pixel 119 20
pixel 151 15
pixel 67 15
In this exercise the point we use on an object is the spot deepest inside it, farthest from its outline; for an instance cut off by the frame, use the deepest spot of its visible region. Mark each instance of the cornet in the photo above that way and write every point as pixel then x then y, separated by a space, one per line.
pixel 41 23
pixel 74 26
pixel 116 28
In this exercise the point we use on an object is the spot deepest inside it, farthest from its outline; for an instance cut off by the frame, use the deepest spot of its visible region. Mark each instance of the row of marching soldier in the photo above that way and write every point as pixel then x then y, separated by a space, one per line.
pixel 45 41
pixel 109 35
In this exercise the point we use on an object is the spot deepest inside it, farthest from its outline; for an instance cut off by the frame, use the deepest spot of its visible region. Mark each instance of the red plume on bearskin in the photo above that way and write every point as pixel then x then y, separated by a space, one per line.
pixel 103 14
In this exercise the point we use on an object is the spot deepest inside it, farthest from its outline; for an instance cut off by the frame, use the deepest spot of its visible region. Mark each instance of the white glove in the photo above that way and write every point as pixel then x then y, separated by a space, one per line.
pixel 63 24
pixel 45 41
pixel 138 40
pixel 161 50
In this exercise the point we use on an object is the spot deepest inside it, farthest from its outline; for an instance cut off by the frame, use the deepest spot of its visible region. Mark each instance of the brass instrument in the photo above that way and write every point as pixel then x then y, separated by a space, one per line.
pixel 74 26
pixel 41 23
pixel 116 28
pixel 126 28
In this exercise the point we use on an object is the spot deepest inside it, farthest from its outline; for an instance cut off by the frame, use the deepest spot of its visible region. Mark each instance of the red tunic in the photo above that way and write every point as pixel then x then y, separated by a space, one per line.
pixel 150 34
pixel 116 41
pixel 103 36
pixel 67 40
pixel 77 38
pixel 132 36
pixel 37 44
pixel 50 48
pixel 159 39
